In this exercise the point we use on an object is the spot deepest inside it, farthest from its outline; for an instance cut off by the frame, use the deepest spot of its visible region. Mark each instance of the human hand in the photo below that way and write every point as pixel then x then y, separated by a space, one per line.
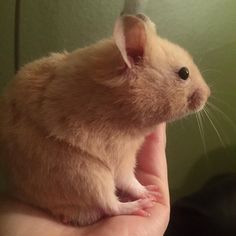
pixel 151 170
pixel 20 220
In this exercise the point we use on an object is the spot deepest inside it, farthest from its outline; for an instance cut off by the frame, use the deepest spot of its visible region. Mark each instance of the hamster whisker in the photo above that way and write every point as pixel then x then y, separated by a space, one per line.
pixel 199 60
pixel 226 93
pixel 214 127
pixel 201 131
pixel 201 122
pixel 226 117
pixel 219 124
pixel 211 84
pixel 211 70
pixel 221 101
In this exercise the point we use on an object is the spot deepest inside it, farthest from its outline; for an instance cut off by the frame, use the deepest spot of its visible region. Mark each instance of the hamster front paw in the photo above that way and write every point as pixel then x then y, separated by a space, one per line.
pixel 138 191
pixel 138 207
pixel 150 191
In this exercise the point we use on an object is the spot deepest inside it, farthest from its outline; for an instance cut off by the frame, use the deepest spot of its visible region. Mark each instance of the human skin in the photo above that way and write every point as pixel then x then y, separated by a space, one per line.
pixel 21 220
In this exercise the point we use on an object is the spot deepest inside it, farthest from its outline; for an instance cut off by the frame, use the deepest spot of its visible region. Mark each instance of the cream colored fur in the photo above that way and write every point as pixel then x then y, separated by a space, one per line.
pixel 72 123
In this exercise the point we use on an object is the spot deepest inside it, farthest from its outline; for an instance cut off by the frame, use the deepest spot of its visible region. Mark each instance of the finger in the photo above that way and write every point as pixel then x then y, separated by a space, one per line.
pixel 152 157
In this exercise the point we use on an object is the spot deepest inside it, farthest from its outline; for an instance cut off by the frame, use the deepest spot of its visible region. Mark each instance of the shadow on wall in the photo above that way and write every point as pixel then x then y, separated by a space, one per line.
pixel 216 162
pixel 209 211
pixel 212 209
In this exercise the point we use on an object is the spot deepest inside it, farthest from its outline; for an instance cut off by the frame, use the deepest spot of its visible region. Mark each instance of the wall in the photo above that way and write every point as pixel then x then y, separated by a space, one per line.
pixel 7 27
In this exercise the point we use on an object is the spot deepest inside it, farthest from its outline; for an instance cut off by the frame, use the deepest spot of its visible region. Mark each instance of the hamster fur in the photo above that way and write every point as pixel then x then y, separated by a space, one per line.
pixel 72 123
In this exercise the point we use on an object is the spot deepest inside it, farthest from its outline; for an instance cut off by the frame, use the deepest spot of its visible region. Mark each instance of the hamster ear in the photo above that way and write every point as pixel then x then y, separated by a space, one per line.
pixel 130 37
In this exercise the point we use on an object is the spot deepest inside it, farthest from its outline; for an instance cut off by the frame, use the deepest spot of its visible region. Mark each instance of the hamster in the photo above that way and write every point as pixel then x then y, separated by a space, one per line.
pixel 72 123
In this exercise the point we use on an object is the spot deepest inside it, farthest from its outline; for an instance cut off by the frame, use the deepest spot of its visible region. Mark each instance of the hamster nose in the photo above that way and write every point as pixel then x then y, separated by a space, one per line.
pixel 197 99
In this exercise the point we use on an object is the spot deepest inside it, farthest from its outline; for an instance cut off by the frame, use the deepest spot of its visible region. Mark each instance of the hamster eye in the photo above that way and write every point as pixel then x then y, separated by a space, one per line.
pixel 183 73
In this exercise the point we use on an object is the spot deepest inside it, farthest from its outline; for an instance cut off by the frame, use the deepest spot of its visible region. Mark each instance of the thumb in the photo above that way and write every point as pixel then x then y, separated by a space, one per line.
pixel 152 156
